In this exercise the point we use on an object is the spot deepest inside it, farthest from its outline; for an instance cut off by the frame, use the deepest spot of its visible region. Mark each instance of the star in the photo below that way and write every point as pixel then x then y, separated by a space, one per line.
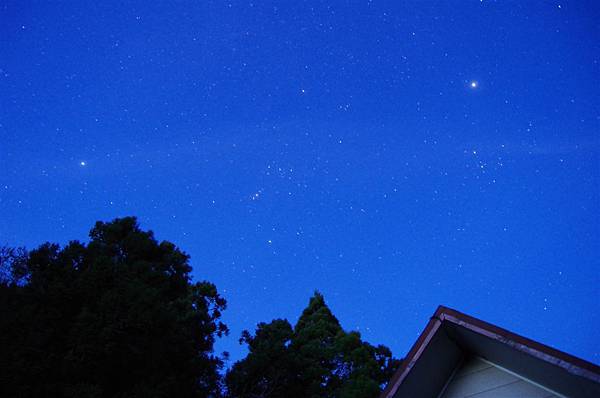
pixel 83 163
pixel 473 84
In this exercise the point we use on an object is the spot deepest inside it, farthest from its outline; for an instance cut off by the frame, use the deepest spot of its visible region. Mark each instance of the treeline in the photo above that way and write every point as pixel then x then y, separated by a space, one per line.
pixel 121 317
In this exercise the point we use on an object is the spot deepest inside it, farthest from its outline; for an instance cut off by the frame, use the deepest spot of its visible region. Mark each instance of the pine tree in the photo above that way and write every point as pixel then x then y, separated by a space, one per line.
pixel 316 359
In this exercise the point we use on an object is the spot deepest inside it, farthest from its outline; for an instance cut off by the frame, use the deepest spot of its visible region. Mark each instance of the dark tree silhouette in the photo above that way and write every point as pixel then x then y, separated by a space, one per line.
pixel 315 359
pixel 118 317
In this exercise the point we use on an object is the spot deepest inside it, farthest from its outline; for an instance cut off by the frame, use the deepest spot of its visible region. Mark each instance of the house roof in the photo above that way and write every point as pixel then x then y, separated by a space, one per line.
pixel 451 336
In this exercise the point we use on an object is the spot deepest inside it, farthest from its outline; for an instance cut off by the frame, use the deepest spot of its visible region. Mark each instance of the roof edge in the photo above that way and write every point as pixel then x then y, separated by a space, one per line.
pixel 570 363
pixel 413 354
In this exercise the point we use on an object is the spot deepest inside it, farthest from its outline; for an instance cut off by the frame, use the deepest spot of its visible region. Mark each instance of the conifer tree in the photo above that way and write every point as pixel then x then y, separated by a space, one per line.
pixel 317 359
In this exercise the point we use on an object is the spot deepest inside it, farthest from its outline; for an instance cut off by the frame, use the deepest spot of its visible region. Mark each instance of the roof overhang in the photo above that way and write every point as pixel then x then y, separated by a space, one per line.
pixel 451 336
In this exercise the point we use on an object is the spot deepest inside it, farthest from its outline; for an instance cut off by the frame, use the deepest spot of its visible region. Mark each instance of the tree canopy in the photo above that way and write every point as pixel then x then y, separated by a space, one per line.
pixel 118 317
pixel 316 358
pixel 121 317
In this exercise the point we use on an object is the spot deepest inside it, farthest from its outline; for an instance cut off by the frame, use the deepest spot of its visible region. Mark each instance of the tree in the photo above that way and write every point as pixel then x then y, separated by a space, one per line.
pixel 315 359
pixel 269 369
pixel 12 265
pixel 118 317
pixel 314 345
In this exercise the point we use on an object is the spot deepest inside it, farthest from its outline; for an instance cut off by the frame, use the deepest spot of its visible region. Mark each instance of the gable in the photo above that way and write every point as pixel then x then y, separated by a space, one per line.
pixel 518 366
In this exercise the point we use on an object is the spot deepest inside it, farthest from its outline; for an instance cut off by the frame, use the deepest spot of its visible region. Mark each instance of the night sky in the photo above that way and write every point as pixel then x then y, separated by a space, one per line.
pixel 393 155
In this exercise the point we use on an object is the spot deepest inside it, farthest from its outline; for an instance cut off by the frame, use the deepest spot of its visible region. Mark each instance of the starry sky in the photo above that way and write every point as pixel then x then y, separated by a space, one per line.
pixel 393 155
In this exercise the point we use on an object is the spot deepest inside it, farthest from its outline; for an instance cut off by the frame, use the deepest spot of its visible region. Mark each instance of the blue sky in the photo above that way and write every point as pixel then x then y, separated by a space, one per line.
pixel 393 156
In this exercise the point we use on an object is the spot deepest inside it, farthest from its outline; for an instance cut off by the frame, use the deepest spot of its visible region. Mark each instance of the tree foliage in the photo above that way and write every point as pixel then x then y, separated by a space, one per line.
pixel 316 358
pixel 118 317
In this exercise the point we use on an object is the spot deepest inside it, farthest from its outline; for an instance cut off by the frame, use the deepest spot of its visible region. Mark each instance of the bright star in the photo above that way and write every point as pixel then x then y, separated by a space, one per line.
pixel 82 163
pixel 473 84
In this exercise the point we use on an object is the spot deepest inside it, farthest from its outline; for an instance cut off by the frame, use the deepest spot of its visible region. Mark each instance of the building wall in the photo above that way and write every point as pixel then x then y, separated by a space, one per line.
pixel 477 378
